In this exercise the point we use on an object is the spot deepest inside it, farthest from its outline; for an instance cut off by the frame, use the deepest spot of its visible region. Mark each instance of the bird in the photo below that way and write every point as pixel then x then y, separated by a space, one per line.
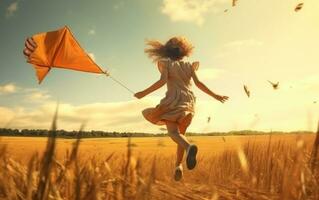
pixel 314 102
pixel 208 119
pixel 274 85
pixel 298 7
pixel 234 2
pixel 225 10
pixel 246 90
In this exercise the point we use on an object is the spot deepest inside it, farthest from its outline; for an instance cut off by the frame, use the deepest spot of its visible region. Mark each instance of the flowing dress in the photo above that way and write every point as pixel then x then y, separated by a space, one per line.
pixel 179 101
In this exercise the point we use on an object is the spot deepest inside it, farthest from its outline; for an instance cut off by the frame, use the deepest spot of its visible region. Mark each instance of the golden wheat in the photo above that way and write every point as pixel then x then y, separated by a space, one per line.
pixel 263 167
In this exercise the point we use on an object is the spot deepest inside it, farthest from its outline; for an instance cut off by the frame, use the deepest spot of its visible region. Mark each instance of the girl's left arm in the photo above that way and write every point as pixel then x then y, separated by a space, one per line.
pixel 158 84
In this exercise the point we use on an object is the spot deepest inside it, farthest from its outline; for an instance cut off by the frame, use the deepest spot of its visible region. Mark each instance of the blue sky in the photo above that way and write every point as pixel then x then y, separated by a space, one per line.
pixel 249 44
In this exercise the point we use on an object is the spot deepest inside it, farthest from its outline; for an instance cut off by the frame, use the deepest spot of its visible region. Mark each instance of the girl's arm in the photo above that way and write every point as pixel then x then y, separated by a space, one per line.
pixel 158 84
pixel 205 89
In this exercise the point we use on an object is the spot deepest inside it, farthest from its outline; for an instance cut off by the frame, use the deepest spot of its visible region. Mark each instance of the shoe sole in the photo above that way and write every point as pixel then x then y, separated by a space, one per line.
pixel 178 175
pixel 191 157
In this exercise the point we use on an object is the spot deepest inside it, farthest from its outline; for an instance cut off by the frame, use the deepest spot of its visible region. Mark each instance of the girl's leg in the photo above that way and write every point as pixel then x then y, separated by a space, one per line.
pixel 191 149
pixel 173 132
pixel 180 150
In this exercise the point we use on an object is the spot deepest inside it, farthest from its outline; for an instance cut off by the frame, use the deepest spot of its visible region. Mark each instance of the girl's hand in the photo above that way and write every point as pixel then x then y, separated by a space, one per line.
pixel 30 47
pixel 221 98
pixel 139 95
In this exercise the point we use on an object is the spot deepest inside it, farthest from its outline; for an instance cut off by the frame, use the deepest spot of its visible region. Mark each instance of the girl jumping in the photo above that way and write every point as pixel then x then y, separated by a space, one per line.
pixel 176 109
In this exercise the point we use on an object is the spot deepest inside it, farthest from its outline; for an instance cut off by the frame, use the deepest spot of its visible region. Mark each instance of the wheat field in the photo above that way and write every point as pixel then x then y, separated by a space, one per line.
pixel 282 167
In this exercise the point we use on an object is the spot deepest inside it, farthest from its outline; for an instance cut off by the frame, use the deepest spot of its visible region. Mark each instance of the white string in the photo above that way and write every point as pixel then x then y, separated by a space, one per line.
pixel 108 74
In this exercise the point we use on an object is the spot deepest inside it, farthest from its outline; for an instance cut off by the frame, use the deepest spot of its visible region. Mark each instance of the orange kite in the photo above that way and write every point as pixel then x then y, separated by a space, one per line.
pixel 58 49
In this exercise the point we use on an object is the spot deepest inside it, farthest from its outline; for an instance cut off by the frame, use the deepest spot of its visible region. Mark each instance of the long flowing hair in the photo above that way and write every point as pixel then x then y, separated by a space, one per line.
pixel 175 49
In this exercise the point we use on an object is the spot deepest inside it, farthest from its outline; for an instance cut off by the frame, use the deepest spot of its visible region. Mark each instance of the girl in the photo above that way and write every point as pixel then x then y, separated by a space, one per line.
pixel 176 109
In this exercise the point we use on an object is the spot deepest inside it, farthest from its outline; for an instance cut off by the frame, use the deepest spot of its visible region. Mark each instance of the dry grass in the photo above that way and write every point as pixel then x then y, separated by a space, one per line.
pixel 268 169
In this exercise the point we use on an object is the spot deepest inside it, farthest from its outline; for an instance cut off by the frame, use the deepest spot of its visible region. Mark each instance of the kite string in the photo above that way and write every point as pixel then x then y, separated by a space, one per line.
pixel 107 74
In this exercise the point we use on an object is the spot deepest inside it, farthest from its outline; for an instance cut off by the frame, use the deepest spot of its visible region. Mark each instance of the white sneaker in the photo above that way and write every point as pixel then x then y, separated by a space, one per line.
pixel 178 175
pixel 191 156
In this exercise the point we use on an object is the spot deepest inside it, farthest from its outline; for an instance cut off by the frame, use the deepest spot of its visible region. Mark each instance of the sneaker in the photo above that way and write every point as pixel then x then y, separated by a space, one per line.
pixel 191 156
pixel 178 175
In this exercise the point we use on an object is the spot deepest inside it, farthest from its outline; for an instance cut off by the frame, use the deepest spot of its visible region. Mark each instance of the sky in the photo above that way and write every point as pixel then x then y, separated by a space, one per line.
pixel 251 43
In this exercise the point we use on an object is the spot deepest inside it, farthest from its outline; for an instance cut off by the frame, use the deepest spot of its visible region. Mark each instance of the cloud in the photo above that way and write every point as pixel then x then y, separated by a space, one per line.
pixel 91 32
pixel 267 110
pixel 8 88
pixel 238 46
pixel 11 9
pixel 273 112
pixel 37 96
pixel 248 42
pixel 209 73
pixel 189 10
pixel 6 115
pixel 113 116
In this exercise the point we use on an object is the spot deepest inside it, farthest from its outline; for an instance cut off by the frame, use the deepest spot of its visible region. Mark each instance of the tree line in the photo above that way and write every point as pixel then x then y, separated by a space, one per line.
pixel 92 133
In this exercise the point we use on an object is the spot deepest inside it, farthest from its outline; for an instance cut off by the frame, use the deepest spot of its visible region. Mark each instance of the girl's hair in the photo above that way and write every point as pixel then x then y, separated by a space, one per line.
pixel 175 49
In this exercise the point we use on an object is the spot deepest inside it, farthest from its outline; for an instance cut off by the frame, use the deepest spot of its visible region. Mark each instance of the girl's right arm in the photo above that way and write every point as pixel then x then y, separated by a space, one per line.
pixel 158 84
pixel 205 89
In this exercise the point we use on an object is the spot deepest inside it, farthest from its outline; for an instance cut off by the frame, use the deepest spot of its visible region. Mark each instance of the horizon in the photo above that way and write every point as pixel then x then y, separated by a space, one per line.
pixel 251 131
pixel 245 45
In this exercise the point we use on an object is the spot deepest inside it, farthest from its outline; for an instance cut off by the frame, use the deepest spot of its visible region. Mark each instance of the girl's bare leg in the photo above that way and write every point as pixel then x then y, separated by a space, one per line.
pixel 180 150
pixel 173 132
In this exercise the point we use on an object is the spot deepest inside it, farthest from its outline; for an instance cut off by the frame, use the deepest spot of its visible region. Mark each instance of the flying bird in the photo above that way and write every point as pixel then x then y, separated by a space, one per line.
pixel 208 119
pixel 274 85
pixel 247 91
pixel 315 102
pixel 234 2
pixel 225 10
pixel 298 7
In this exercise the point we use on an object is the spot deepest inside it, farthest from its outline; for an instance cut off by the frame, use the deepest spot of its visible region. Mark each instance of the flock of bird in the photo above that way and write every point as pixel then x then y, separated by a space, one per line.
pixel 297 8
pixel 275 86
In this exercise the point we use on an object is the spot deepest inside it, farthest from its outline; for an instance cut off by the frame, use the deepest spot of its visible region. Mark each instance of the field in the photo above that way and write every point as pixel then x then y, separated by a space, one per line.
pixel 22 148
pixel 230 167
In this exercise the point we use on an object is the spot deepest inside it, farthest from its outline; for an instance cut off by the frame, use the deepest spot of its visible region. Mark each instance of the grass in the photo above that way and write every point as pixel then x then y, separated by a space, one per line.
pixel 269 169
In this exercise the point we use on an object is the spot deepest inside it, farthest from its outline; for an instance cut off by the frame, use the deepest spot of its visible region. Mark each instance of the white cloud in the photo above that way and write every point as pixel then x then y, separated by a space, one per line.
pixel 8 88
pixel 91 32
pixel 267 110
pixel 248 42
pixel 6 115
pixel 11 9
pixel 238 46
pixel 114 116
pixel 37 96
pixel 209 73
pixel 189 10
pixel 239 114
